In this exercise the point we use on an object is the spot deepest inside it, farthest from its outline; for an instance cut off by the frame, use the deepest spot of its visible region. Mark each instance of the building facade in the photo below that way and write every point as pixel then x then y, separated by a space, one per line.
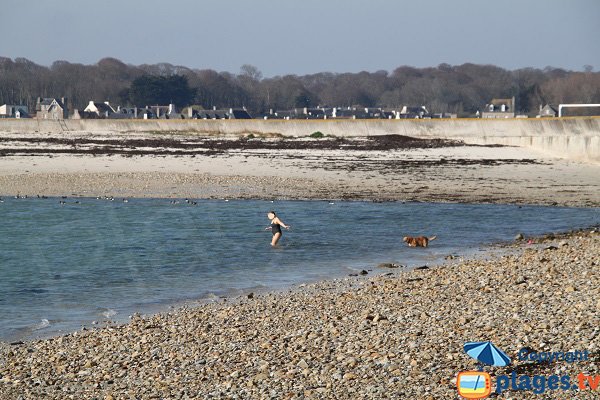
pixel 51 108
pixel 547 111
pixel 499 108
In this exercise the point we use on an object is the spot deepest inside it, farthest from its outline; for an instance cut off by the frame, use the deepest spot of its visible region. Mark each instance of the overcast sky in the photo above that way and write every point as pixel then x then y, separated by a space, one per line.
pixel 301 37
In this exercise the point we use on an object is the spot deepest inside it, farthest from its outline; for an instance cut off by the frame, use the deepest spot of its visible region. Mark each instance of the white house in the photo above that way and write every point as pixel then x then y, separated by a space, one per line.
pixel 100 109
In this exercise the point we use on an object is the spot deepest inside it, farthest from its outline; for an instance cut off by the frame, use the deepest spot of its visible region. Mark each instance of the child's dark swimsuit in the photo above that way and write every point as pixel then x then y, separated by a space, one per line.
pixel 275 228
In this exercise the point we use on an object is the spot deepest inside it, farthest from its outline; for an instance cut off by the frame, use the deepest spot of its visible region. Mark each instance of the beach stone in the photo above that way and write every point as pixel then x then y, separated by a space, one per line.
pixel 520 280
pixel 388 265
pixel 379 317
pixel 519 236
pixel 260 377
pixel 350 362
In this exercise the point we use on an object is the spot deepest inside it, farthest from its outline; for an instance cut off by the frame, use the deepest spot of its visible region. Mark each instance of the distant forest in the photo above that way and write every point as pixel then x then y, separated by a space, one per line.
pixel 461 89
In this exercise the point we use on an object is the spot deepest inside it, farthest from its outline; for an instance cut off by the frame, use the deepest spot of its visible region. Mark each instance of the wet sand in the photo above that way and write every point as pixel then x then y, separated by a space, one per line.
pixel 381 169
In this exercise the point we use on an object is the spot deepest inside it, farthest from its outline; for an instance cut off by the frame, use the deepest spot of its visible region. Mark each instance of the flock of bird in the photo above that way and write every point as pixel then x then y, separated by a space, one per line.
pixel 187 201
pixel 63 201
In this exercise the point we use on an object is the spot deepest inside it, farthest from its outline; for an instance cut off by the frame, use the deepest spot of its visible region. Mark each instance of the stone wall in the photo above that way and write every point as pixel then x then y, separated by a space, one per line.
pixel 577 138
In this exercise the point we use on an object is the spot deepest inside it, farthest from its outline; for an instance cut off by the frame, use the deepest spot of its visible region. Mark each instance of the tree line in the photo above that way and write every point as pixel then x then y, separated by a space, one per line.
pixel 462 89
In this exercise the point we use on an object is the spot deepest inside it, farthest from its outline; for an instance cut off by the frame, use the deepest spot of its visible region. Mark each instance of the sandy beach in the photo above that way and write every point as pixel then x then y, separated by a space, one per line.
pixel 392 168
pixel 391 334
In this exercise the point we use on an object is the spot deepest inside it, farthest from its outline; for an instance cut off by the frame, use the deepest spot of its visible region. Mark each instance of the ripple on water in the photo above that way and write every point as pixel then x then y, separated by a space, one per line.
pixel 72 267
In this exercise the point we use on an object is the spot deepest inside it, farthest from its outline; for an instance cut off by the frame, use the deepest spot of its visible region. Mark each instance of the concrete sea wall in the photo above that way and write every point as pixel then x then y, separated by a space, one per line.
pixel 576 138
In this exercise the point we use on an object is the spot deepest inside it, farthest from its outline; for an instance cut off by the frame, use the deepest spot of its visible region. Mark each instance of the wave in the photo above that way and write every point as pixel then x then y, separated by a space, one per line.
pixel 44 323
pixel 109 313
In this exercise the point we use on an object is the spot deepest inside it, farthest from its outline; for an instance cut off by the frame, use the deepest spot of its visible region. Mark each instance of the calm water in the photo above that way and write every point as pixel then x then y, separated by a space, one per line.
pixel 62 266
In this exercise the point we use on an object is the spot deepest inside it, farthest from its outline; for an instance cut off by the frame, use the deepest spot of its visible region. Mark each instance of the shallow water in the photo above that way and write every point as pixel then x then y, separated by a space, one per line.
pixel 62 266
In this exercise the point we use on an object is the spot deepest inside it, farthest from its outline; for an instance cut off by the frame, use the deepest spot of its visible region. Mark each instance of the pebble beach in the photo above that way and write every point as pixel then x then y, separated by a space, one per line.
pixel 388 334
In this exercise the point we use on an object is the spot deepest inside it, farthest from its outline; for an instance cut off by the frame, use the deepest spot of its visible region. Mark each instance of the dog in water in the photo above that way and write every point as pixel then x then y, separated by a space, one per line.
pixel 418 241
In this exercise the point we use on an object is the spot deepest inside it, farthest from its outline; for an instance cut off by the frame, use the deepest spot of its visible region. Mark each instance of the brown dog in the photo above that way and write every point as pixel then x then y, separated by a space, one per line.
pixel 419 241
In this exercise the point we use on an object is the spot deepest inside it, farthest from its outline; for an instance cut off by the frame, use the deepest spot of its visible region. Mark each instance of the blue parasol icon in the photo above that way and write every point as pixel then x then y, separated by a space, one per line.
pixel 487 353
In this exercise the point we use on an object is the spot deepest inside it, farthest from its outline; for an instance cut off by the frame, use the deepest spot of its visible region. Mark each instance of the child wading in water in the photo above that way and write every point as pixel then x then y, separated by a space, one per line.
pixel 275 227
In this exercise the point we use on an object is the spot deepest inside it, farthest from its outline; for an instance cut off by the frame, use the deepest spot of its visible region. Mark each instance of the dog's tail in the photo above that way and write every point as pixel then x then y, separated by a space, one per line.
pixel 432 238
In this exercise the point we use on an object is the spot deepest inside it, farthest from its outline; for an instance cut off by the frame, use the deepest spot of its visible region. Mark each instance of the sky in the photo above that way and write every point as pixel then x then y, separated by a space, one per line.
pixel 282 37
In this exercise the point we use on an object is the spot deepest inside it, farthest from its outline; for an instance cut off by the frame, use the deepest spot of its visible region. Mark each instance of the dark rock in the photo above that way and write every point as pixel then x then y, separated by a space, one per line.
pixel 422 267
pixel 388 265
pixel 363 272
pixel 251 295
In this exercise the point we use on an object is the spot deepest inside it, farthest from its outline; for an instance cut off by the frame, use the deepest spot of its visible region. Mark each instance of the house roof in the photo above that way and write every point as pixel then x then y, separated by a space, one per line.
pixel 240 114
pixel 549 107
pixel 498 102
pixel 104 108
pixel 48 101
pixel 212 114
pixel 222 114
pixel 413 110
pixel 315 111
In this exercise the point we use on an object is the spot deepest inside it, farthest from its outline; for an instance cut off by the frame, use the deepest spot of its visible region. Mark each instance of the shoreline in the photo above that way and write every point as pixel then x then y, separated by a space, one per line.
pixel 390 167
pixel 482 252
pixel 346 337
pixel 301 266
pixel 233 296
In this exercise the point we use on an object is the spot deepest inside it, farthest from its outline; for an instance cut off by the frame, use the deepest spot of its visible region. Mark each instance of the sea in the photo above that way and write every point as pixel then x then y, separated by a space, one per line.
pixel 68 263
